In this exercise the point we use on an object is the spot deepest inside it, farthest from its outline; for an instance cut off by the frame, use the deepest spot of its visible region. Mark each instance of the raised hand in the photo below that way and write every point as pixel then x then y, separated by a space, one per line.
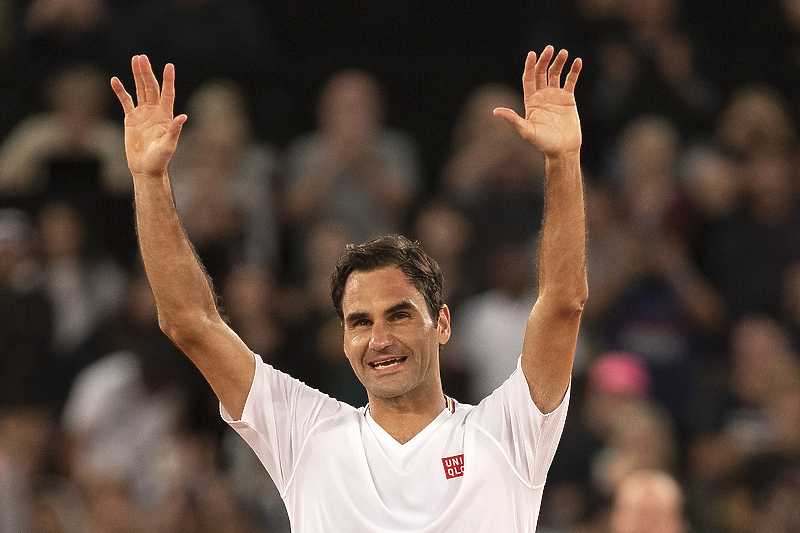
pixel 551 117
pixel 151 132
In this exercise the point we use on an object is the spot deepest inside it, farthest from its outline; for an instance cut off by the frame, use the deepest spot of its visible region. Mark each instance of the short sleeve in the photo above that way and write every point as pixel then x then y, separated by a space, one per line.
pixel 279 414
pixel 526 436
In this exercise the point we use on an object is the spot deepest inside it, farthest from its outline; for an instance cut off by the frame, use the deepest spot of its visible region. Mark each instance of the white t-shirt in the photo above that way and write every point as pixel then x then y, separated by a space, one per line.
pixel 472 469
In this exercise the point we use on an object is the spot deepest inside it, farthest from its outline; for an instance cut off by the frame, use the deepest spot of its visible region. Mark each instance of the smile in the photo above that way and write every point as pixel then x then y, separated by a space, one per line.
pixel 387 363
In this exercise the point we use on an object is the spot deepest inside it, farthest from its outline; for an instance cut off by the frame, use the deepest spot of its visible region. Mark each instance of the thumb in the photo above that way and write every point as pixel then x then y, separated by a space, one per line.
pixel 515 120
pixel 177 124
pixel 175 131
pixel 509 114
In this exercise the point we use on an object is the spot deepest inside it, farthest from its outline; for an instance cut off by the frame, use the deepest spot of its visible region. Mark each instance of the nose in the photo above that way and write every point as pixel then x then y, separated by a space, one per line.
pixel 381 337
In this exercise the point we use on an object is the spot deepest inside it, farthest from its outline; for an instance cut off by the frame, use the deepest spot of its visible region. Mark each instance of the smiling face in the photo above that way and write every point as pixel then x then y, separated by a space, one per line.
pixel 390 339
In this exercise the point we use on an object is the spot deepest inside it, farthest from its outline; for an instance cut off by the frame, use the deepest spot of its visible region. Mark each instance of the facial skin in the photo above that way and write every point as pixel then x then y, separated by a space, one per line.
pixel 648 502
pixel 391 340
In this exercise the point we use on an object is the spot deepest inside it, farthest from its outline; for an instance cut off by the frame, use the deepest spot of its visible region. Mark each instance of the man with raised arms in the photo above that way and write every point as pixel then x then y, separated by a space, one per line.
pixel 413 459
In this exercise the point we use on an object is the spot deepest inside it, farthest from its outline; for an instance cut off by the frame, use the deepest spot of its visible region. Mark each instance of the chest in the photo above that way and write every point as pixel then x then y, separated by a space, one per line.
pixel 367 473
pixel 443 481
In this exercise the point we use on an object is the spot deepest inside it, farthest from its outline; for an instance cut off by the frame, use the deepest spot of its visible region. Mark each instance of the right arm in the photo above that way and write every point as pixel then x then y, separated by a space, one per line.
pixel 187 310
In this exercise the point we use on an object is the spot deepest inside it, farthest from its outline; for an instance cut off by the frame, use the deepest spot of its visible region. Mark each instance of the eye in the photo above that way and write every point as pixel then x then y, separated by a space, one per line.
pixel 360 323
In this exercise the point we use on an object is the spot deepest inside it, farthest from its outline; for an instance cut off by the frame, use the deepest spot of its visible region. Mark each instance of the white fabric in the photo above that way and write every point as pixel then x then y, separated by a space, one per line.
pixel 338 470
pixel 490 333
pixel 122 429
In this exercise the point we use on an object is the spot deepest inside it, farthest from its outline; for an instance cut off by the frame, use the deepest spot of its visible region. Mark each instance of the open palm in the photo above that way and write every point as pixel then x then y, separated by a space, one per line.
pixel 551 120
pixel 151 132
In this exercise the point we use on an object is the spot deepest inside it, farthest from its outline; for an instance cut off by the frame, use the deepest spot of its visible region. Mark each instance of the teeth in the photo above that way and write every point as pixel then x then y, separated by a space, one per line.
pixel 384 364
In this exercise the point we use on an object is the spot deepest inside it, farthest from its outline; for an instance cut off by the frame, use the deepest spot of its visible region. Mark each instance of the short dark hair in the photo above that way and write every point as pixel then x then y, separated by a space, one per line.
pixel 390 251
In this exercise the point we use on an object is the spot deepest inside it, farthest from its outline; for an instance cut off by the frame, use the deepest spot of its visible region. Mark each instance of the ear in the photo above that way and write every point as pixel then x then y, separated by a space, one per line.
pixel 443 325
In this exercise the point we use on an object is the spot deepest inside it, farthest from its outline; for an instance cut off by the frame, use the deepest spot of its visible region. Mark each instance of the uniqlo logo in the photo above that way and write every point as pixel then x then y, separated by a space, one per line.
pixel 453 466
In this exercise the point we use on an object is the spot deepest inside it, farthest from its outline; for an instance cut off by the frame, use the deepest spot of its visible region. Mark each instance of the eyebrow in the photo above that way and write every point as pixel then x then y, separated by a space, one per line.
pixel 355 317
pixel 400 306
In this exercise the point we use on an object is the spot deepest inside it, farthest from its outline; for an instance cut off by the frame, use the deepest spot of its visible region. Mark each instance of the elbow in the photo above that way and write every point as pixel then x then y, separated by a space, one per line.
pixel 568 302
pixel 576 295
pixel 582 297
pixel 575 306
pixel 168 326
pixel 183 329
pixel 579 302
pixel 172 328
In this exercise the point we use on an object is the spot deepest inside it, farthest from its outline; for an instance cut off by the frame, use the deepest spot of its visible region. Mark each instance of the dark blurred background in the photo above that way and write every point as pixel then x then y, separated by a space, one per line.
pixel 317 124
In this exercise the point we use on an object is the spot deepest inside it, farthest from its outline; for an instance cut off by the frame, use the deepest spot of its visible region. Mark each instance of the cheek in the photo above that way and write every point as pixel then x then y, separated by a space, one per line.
pixel 354 345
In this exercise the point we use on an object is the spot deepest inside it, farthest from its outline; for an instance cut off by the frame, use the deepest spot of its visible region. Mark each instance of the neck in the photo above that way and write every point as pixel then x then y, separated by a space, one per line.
pixel 404 419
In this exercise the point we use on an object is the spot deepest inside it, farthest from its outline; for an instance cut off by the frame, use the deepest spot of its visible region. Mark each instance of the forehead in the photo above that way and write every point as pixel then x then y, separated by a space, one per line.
pixel 383 287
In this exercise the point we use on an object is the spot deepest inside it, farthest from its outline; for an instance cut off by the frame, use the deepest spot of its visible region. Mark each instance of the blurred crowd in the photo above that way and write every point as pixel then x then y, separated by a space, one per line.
pixel 685 413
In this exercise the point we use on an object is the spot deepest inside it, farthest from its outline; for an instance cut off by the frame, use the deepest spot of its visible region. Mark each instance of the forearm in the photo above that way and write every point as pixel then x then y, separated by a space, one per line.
pixel 562 257
pixel 181 288
pixel 552 333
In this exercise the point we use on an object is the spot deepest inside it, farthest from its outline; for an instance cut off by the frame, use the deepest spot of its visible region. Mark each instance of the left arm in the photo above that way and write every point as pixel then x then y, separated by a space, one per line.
pixel 551 124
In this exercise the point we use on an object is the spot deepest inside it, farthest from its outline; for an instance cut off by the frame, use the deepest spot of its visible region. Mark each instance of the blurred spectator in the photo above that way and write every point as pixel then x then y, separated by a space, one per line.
pixel 712 183
pixel 486 149
pixel 755 437
pixel 749 255
pixel 26 330
pixel 27 427
pixel 643 61
pixel 762 356
pixel 71 147
pixel 755 115
pixel 135 449
pixel 86 287
pixel 615 380
pixel 494 176
pixel 641 436
pixel 648 501
pixel 685 93
pixel 610 239
pixel 223 182
pixel 613 383
pixel 612 99
pixel 127 422
pixel 644 169
pixel 487 345
pixel 666 304
pixel 250 297
pixel 28 443
pixel 353 167
pixel 200 498
pixel 47 36
pixel 671 82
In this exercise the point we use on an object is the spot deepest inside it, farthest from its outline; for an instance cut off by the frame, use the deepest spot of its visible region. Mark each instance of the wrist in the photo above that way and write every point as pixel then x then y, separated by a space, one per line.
pixel 150 175
pixel 564 157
